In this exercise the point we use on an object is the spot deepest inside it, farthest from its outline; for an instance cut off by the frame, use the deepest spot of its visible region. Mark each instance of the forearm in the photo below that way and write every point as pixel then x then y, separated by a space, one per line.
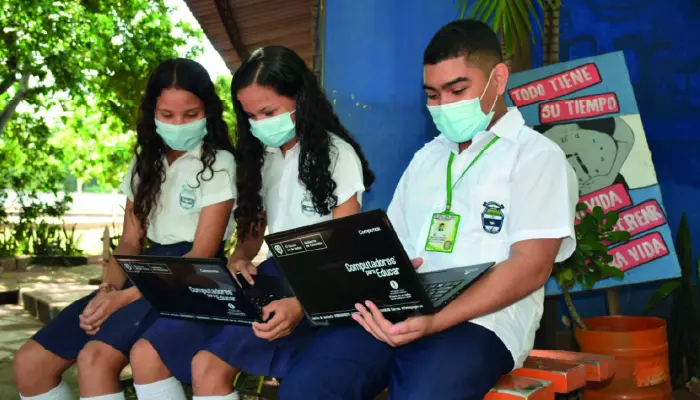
pixel 113 274
pixel 203 250
pixel 508 282
pixel 249 248
pixel 130 295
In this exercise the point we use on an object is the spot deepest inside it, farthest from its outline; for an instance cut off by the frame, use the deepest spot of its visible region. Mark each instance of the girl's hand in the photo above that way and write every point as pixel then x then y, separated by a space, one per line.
pixel 288 314
pixel 99 309
pixel 243 267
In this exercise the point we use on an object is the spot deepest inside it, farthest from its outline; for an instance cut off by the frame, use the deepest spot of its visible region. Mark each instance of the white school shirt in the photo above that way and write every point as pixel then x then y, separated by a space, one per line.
pixel 287 203
pixel 182 198
pixel 530 191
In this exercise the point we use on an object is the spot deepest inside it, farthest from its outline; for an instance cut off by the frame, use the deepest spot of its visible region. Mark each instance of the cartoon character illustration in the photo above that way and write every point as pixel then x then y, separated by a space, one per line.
pixel 492 217
pixel 278 249
pixel 441 227
pixel 596 149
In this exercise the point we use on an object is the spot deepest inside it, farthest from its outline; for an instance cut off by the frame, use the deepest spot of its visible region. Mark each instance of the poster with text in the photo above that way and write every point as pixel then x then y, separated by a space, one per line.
pixel 588 108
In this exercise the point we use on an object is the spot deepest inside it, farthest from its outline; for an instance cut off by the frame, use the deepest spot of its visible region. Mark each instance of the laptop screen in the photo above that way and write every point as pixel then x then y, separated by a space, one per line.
pixel 333 265
pixel 188 288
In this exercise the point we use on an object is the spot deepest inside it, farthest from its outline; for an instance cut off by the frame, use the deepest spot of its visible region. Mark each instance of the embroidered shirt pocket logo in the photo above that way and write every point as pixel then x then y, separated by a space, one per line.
pixel 492 217
pixel 187 197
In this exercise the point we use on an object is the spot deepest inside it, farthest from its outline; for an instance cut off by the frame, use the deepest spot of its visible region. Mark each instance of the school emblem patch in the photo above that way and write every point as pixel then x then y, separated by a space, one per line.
pixel 307 207
pixel 187 197
pixel 492 217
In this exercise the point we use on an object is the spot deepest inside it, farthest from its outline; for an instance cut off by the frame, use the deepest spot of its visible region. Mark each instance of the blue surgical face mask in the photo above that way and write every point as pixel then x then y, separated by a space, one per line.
pixel 462 120
pixel 183 137
pixel 274 131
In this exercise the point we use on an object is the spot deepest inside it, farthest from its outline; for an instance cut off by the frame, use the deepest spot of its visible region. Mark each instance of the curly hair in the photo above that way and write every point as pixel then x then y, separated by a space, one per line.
pixel 283 71
pixel 150 149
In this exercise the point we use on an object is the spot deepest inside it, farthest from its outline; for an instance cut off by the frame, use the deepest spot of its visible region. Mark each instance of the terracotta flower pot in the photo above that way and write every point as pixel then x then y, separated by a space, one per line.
pixel 640 348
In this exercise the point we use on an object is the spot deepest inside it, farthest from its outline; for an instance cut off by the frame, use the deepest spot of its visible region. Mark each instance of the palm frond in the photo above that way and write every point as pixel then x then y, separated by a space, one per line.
pixel 510 18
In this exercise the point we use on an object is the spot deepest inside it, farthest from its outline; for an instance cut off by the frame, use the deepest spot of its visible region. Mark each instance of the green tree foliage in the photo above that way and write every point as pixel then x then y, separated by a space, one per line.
pixel 72 73
pixel 99 147
pixel 98 52
pixel 223 88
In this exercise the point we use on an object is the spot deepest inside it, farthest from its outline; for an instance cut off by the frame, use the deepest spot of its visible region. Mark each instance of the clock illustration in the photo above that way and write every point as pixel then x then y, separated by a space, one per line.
pixel 596 149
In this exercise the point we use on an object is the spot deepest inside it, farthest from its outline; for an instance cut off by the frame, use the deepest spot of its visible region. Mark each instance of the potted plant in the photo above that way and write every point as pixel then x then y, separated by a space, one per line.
pixel 684 316
pixel 638 344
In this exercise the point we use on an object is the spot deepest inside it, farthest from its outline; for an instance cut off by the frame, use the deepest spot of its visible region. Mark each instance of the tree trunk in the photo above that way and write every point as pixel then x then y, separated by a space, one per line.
pixel 520 60
pixel 10 108
pixel 550 32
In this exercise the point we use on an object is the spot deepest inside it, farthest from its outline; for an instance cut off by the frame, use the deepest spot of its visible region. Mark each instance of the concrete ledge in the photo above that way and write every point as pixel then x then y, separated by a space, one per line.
pixel 46 303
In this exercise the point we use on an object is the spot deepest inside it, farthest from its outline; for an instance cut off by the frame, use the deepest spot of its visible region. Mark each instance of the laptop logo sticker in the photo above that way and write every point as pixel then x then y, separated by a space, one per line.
pixel 394 285
pixel 492 217
pixel 368 231
pixel 278 249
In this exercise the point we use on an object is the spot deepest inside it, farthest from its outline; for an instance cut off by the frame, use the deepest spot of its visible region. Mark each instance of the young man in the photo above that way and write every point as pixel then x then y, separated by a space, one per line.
pixel 505 193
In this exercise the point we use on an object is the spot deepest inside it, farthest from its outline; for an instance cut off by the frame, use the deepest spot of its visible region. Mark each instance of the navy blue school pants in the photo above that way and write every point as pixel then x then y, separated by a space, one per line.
pixel 346 362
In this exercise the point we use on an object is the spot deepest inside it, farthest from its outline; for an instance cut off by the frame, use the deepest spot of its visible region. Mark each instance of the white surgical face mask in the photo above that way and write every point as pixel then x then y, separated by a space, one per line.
pixel 462 120
pixel 274 131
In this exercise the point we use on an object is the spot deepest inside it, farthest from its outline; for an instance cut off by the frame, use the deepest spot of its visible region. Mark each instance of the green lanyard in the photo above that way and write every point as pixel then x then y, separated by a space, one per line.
pixel 449 171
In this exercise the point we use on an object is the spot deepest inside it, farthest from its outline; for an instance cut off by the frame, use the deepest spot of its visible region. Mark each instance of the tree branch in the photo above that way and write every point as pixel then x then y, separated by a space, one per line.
pixel 11 107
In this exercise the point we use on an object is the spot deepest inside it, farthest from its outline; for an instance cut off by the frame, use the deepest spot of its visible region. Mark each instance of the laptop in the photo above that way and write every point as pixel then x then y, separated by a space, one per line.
pixel 200 288
pixel 333 265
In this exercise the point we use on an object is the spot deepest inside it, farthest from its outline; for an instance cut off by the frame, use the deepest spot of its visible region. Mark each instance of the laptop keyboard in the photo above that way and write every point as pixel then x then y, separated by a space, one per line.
pixel 261 301
pixel 437 290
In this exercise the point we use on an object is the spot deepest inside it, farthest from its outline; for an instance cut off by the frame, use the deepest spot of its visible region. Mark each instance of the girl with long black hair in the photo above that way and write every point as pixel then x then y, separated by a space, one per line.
pixel 296 165
pixel 179 195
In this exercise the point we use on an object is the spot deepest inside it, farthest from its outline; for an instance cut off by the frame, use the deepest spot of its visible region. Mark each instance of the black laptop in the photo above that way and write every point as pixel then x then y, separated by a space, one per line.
pixel 200 288
pixel 333 265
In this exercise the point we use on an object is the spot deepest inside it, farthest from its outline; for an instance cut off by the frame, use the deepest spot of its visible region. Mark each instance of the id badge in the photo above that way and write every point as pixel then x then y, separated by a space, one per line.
pixel 442 232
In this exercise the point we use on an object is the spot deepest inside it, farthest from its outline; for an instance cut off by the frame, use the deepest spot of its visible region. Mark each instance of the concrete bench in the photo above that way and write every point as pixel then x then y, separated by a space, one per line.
pixel 547 373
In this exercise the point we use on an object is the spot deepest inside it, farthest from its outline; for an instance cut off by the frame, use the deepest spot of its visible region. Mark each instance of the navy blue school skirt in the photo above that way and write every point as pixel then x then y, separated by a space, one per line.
pixel 64 337
pixel 178 340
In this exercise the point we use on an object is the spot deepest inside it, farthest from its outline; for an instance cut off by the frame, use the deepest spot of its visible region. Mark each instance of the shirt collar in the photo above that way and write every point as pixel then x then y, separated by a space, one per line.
pixel 510 125
pixel 507 127
pixel 276 150
pixel 194 153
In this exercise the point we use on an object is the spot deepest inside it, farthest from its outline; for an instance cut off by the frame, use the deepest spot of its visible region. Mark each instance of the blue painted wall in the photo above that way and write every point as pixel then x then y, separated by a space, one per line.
pixel 373 73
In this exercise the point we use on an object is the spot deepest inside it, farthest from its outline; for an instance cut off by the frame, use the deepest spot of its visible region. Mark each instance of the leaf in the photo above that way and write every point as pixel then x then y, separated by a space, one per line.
pixel 488 13
pixel 598 214
pixel 666 289
pixel 521 21
pixel 580 207
pixel 565 275
pixel 612 218
pixel 617 236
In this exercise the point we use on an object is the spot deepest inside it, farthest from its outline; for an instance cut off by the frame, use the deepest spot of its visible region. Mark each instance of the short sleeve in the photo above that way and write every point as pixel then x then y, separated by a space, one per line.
pixel 397 214
pixel 222 185
pixel 125 187
pixel 545 193
pixel 347 173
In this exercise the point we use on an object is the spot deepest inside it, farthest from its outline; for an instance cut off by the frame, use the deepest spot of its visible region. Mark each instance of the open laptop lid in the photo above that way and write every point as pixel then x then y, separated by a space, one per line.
pixel 328 274
pixel 189 288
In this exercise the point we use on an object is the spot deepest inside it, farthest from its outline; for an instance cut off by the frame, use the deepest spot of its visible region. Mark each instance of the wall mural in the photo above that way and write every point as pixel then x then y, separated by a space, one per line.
pixel 588 108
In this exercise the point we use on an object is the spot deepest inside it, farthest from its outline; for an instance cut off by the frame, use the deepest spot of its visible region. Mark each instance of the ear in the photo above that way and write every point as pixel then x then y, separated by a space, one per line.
pixel 500 78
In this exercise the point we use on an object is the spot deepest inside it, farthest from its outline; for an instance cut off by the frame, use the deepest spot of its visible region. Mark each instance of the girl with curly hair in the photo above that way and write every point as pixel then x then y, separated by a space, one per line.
pixel 179 196
pixel 296 165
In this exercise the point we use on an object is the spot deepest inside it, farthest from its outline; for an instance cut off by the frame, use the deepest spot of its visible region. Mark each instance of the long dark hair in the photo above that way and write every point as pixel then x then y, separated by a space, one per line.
pixel 150 150
pixel 282 70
